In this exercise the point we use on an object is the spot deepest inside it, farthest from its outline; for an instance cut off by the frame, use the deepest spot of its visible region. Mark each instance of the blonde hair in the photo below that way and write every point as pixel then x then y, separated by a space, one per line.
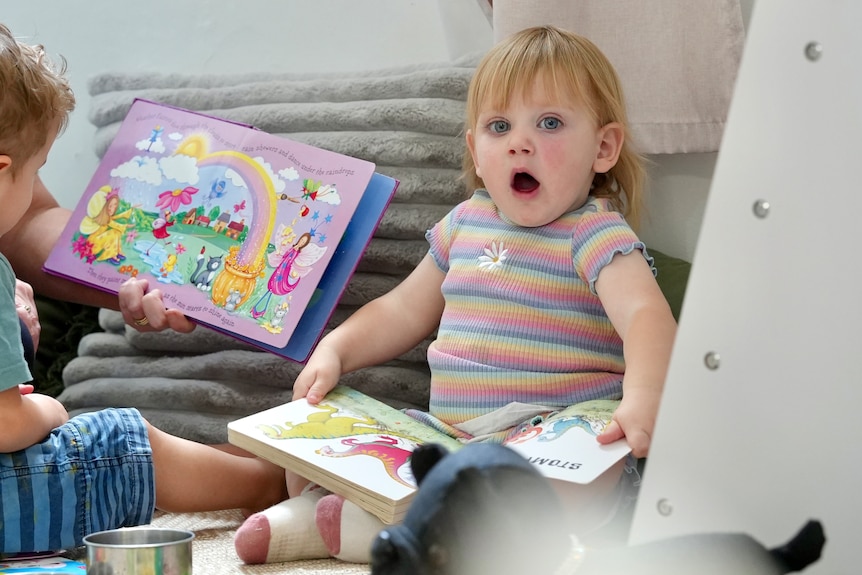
pixel 573 68
pixel 34 97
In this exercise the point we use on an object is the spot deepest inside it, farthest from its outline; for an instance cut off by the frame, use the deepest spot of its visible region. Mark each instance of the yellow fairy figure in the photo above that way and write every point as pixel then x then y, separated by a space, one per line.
pixel 102 225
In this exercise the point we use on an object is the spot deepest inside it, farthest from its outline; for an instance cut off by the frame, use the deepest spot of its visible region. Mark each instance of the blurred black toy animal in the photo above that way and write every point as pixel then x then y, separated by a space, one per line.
pixel 485 510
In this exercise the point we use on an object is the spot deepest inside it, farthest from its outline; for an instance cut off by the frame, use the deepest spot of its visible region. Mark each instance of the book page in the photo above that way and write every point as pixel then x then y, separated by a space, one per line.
pixel 36 564
pixel 349 437
pixel 564 446
pixel 235 226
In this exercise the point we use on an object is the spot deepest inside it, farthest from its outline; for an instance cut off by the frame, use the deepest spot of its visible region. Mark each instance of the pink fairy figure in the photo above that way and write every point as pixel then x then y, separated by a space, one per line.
pixel 290 267
pixel 160 230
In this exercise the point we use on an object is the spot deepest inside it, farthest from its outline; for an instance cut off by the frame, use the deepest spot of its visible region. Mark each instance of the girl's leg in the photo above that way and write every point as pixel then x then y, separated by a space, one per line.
pixel 314 524
pixel 286 531
pixel 347 529
pixel 191 476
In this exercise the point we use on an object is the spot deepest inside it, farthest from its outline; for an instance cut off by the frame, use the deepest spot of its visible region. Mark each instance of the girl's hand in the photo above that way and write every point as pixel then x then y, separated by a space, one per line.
pixel 145 310
pixel 634 420
pixel 25 305
pixel 319 375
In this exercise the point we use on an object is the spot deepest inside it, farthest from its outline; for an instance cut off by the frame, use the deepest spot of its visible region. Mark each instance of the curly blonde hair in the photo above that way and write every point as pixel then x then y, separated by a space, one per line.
pixel 35 96
pixel 573 68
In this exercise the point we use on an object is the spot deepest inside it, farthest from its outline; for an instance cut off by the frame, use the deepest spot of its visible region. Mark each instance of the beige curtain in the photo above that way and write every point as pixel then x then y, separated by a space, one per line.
pixel 677 60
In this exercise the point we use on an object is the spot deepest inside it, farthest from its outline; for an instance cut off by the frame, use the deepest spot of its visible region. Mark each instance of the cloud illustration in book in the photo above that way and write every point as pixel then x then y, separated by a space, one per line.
pixel 289 174
pixel 277 183
pixel 140 168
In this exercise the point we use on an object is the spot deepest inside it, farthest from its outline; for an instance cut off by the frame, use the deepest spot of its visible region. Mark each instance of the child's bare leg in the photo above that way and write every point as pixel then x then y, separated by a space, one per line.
pixel 231 448
pixel 191 476
pixel 286 531
pixel 295 483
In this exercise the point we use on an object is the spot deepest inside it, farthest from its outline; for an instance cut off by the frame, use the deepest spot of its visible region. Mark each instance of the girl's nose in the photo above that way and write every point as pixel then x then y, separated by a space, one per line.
pixel 519 142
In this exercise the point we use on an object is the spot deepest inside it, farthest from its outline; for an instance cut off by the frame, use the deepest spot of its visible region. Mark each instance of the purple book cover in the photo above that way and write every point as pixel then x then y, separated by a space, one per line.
pixel 235 226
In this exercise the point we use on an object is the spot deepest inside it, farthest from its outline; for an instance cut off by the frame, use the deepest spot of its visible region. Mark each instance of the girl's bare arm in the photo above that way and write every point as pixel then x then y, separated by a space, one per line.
pixel 379 331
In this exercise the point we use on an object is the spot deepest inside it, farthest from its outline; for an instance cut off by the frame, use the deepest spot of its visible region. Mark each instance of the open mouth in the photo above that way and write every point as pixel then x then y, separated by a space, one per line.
pixel 524 182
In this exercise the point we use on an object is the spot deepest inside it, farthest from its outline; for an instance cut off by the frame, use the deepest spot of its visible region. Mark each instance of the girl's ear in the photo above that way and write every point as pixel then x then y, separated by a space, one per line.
pixel 610 144
pixel 471 145
pixel 5 162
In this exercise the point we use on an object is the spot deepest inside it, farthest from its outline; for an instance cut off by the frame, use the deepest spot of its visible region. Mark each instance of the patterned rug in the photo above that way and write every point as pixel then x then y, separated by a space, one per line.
pixel 213 552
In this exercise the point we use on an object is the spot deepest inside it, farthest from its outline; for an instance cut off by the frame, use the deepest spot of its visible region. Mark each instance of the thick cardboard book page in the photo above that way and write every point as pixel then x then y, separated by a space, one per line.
pixel 349 443
pixel 339 271
pixel 564 446
pixel 235 226
pixel 45 563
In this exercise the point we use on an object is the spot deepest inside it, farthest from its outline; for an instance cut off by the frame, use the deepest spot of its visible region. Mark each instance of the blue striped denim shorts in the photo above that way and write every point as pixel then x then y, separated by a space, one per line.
pixel 93 473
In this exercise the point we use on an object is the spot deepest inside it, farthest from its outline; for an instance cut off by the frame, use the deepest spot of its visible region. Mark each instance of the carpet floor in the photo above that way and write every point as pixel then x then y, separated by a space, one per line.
pixel 213 552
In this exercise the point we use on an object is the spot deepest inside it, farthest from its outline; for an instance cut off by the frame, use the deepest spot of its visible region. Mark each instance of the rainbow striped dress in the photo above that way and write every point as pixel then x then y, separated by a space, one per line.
pixel 522 321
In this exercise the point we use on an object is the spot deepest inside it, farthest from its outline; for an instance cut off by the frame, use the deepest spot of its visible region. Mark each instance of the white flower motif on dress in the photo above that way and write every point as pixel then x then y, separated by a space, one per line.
pixel 494 257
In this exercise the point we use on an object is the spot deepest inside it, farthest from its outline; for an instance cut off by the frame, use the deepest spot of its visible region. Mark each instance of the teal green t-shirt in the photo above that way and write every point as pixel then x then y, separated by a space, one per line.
pixel 13 368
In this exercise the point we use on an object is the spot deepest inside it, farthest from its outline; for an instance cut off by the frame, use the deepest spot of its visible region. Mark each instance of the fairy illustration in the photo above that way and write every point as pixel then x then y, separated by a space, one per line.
pixel 313 190
pixel 290 267
pixel 160 230
pixel 217 190
pixel 154 136
pixel 104 226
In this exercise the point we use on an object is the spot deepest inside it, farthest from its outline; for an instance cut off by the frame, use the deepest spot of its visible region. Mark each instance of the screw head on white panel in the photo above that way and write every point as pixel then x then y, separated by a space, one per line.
pixel 813 51
pixel 712 360
pixel 664 507
pixel 761 208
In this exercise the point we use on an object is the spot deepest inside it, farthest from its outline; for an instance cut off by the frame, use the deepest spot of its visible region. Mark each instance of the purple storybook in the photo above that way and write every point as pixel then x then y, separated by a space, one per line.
pixel 246 232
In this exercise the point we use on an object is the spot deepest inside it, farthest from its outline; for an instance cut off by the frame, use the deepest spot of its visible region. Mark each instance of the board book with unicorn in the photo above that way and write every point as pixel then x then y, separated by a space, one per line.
pixel 249 233
pixel 359 447
pixel 563 445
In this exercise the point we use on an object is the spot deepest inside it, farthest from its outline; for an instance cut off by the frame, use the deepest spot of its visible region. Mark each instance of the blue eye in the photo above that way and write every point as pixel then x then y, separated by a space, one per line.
pixel 550 123
pixel 499 126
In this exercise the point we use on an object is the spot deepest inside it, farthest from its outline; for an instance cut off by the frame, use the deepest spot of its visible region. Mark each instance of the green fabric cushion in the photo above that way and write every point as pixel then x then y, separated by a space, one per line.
pixel 672 278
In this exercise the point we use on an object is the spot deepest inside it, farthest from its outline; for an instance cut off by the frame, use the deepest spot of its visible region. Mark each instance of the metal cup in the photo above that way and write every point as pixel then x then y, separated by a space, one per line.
pixel 139 551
